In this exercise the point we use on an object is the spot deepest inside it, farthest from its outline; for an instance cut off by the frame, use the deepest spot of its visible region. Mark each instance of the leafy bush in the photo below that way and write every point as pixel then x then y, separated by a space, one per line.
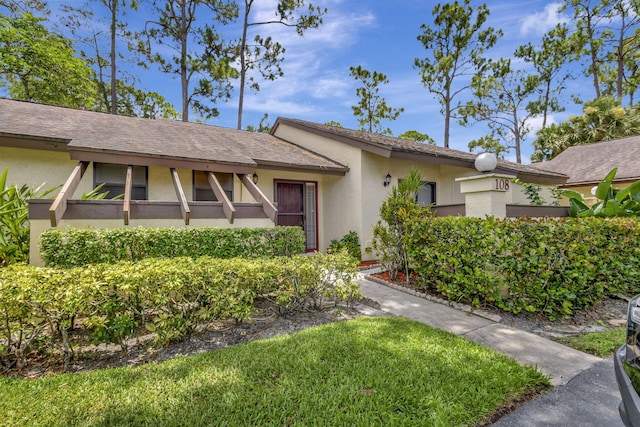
pixel 390 232
pixel 552 267
pixel 77 247
pixel 14 219
pixel 170 297
pixel 611 202
pixel 348 242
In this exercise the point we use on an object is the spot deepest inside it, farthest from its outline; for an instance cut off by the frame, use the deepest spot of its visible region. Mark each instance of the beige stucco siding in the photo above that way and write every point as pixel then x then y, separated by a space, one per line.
pixel 340 197
pixel 36 167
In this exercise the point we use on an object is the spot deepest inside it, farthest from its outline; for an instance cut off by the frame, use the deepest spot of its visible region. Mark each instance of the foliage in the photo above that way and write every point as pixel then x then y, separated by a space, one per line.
pixel 14 219
pixel 265 54
pixel 553 267
pixel 414 135
pixel 263 126
pixel 605 41
pixel 390 232
pixel 457 43
pixel 368 371
pixel 204 70
pixel 40 66
pixel 611 202
pixel 350 243
pixel 551 75
pixel 503 99
pixel 168 296
pixel 76 247
pixel 533 193
pixel 488 144
pixel 603 119
pixel 372 108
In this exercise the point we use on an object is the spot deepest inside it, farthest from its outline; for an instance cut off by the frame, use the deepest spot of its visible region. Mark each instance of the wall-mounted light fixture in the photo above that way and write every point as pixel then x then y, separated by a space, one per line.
pixel 255 178
pixel 387 180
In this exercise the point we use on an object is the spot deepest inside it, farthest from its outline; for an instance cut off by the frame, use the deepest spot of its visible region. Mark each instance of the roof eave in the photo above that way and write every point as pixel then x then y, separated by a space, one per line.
pixel 141 159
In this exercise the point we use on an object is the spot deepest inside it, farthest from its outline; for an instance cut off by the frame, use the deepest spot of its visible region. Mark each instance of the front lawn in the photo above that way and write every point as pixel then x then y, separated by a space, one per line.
pixel 368 371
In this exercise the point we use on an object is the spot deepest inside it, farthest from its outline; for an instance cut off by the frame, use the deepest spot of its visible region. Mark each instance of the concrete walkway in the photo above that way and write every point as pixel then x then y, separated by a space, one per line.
pixel 585 394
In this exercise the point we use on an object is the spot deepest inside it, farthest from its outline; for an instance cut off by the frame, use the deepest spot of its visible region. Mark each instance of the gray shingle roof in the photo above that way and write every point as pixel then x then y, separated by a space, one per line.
pixel 95 132
pixel 400 148
pixel 590 163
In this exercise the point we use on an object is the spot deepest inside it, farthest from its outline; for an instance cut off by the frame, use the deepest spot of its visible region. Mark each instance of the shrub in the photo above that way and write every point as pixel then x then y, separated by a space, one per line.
pixel 14 219
pixel 350 243
pixel 76 247
pixel 167 296
pixel 390 232
pixel 552 267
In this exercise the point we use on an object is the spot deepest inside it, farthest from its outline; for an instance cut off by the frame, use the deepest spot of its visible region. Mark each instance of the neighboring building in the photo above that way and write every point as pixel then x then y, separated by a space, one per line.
pixel 586 165
pixel 325 179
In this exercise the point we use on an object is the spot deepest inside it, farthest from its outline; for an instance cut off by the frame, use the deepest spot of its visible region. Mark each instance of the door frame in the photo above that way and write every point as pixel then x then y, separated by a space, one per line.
pixel 304 183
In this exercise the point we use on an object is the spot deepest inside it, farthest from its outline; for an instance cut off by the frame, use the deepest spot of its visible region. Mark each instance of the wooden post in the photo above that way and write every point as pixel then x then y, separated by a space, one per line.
pixel 59 205
pixel 268 207
pixel 184 206
pixel 227 206
pixel 126 208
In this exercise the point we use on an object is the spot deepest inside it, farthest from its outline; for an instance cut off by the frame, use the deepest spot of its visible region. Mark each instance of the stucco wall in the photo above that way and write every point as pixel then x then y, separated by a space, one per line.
pixel 340 197
pixel 36 167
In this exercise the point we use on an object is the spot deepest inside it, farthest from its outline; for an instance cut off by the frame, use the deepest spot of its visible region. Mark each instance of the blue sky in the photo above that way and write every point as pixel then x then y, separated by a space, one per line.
pixel 379 35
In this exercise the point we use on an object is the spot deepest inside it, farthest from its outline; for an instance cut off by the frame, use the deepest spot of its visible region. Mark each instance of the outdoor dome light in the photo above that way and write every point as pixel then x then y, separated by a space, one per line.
pixel 486 162
pixel 255 178
pixel 387 180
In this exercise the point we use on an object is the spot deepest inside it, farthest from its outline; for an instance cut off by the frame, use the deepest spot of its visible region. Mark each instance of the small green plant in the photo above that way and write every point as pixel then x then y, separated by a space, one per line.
pixel 611 202
pixel 14 219
pixel 348 242
pixel 390 232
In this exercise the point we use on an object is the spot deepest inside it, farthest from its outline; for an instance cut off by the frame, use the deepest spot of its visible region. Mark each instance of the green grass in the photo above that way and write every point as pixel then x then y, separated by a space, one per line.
pixel 363 372
pixel 601 344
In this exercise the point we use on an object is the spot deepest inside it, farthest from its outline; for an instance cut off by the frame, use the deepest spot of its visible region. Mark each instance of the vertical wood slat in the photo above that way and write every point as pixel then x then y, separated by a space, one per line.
pixel 184 206
pixel 268 207
pixel 128 183
pixel 227 206
pixel 59 205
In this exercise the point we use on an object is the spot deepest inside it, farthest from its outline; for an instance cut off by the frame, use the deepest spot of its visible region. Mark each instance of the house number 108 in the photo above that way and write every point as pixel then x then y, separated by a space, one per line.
pixel 502 184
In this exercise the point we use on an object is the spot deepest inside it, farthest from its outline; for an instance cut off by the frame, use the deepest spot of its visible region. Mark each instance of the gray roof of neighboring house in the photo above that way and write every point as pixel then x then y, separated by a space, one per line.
pixel 590 163
pixel 392 147
pixel 94 136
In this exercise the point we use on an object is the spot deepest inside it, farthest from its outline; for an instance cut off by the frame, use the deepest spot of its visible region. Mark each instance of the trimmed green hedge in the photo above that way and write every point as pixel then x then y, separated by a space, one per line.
pixel 38 306
pixel 76 247
pixel 553 266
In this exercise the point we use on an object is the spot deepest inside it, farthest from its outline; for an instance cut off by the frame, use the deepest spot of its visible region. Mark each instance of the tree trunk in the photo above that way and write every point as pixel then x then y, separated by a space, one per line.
pixel 114 100
pixel 243 58
pixel 183 62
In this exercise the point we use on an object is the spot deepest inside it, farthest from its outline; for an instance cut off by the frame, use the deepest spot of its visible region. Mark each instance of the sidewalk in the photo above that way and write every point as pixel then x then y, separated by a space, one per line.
pixel 585 394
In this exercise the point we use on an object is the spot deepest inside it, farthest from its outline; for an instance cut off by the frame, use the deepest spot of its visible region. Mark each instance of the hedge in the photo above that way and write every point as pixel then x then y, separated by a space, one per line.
pixel 38 306
pixel 549 266
pixel 77 247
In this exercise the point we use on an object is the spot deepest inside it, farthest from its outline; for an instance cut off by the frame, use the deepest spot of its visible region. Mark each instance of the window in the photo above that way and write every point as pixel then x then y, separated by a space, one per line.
pixel 202 190
pixel 427 194
pixel 114 176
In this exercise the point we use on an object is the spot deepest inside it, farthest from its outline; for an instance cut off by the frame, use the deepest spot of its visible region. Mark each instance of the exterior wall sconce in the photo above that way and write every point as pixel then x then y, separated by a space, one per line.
pixel 387 180
pixel 255 178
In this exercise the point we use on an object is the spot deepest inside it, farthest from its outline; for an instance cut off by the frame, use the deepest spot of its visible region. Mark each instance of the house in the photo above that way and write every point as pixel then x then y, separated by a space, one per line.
pixel 586 165
pixel 325 179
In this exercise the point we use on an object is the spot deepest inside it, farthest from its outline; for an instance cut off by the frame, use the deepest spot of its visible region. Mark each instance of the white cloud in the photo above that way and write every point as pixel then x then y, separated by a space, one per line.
pixel 541 22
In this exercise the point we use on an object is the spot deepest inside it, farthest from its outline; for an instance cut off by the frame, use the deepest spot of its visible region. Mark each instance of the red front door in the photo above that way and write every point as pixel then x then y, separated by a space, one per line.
pixel 290 203
pixel 297 203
